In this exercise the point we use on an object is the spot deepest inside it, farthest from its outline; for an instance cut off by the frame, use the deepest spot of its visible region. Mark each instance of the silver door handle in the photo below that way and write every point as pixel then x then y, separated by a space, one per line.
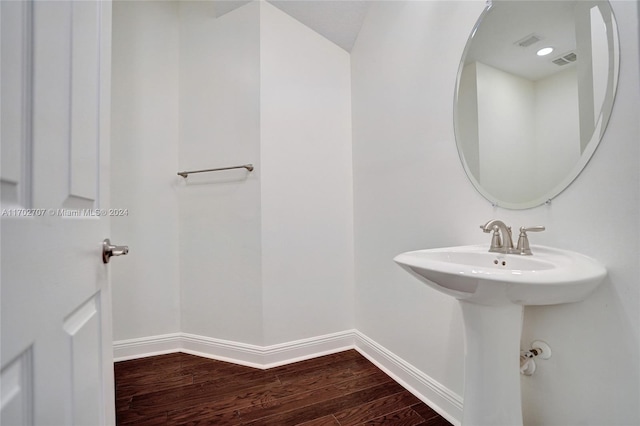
pixel 109 250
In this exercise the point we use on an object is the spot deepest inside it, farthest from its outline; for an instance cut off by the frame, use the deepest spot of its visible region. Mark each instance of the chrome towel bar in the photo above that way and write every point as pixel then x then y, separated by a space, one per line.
pixel 249 167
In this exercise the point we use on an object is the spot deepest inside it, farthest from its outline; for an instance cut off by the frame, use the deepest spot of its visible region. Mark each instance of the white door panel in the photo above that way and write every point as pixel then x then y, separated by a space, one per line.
pixel 56 353
pixel 15 57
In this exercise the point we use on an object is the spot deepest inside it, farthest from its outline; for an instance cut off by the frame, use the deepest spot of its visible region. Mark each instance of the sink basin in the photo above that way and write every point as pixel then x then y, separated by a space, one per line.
pixel 492 289
pixel 471 273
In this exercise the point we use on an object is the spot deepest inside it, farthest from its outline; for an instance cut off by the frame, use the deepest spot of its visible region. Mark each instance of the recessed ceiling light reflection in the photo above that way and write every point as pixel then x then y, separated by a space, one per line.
pixel 544 51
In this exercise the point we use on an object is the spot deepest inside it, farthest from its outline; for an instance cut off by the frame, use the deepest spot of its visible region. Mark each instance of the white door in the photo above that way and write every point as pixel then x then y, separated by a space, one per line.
pixel 56 355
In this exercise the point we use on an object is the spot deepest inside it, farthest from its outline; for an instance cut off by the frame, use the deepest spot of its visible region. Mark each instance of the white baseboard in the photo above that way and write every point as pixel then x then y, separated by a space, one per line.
pixel 262 357
pixel 437 396
pixel 444 401
pixel 146 346
pixel 267 356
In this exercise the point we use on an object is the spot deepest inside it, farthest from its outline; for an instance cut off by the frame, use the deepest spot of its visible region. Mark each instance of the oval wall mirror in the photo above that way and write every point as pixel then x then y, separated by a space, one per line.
pixel 534 94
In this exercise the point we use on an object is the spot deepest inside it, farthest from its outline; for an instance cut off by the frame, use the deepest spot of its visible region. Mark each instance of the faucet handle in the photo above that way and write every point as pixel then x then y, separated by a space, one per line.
pixel 523 240
pixel 526 229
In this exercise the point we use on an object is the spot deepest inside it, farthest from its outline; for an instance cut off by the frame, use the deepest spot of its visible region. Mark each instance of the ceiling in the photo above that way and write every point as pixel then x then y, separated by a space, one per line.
pixel 496 41
pixel 336 20
pixel 495 44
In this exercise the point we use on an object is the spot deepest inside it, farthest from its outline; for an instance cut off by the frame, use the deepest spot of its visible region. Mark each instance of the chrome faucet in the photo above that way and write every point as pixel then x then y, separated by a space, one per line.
pixel 499 243
pixel 502 242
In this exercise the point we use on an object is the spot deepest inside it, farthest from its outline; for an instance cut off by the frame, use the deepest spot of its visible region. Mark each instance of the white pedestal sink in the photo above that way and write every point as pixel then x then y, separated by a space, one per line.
pixel 493 289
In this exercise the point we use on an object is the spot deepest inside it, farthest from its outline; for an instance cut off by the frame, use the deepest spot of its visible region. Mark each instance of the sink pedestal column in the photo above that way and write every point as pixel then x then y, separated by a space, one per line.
pixel 492 365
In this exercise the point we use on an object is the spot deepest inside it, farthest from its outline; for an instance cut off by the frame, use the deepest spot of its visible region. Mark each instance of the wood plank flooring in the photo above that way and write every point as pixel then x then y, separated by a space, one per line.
pixel 339 389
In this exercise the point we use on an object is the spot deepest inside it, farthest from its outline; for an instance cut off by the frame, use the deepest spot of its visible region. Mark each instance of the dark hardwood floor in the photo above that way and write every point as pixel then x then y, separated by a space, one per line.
pixel 339 389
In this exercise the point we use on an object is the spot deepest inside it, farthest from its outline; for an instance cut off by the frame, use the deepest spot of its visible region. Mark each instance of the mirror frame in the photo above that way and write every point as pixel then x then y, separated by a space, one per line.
pixel 587 154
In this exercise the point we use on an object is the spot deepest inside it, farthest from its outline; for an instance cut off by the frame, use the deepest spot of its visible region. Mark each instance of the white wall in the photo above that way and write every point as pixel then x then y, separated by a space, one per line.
pixel 307 203
pixel 255 258
pixel 556 121
pixel 506 132
pixel 144 154
pixel 410 192
pixel 220 242
pixel 467 133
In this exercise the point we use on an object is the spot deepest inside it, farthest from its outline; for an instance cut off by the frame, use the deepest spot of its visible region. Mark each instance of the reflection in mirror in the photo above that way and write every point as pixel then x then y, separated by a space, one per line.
pixel 535 90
